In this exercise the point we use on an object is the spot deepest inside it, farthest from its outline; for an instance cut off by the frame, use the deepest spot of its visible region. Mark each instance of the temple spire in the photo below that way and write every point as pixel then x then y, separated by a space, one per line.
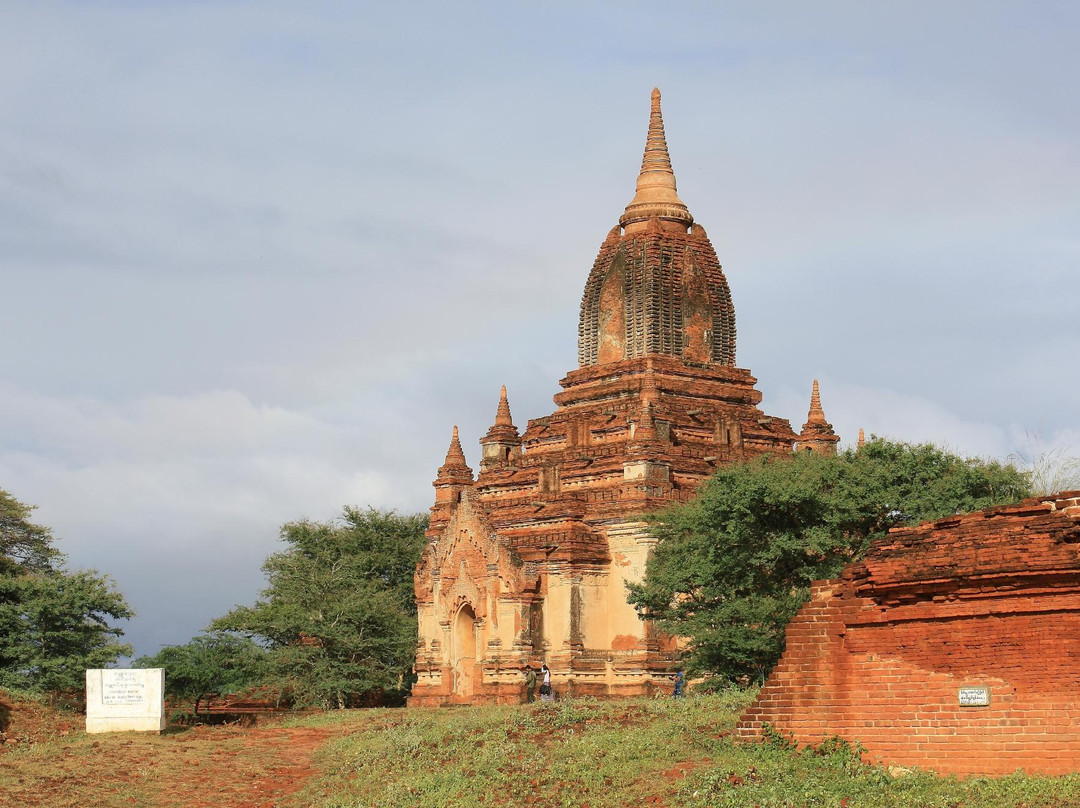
pixel 817 434
pixel 816 414
pixel 656 194
pixel 502 444
pixel 455 469
pixel 455 455
pixel 862 437
pixel 502 414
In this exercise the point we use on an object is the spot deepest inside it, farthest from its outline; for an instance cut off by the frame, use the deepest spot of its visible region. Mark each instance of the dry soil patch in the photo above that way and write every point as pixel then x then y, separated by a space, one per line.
pixel 203 767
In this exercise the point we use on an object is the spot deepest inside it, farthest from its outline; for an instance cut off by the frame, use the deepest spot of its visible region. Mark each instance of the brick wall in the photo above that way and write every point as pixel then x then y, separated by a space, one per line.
pixel 986 601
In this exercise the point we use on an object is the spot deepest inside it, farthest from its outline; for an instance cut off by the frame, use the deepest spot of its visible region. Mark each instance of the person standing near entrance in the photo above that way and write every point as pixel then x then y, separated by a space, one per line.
pixel 680 684
pixel 545 688
pixel 530 684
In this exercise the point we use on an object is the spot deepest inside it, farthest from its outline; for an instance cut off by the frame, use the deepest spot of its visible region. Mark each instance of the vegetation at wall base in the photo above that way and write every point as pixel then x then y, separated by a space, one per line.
pixel 734 565
pixel 54 623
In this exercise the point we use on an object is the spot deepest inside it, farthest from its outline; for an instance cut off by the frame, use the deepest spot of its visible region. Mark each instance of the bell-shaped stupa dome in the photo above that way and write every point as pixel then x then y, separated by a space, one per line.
pixel 656 287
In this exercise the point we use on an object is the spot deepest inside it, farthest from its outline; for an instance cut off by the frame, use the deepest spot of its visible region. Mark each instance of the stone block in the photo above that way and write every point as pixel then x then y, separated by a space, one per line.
pixel 125 700
pixel 644 470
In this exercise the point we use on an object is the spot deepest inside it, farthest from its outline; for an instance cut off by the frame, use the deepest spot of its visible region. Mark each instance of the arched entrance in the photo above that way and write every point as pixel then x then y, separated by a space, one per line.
pixel 464 652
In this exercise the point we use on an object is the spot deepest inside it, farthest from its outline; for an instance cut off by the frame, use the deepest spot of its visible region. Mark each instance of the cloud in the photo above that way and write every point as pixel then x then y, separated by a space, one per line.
pixel 254 265
pixel 180 499
pixel 897 415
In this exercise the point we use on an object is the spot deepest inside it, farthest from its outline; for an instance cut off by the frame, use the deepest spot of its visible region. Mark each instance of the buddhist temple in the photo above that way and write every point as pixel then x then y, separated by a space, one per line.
pixel 527 562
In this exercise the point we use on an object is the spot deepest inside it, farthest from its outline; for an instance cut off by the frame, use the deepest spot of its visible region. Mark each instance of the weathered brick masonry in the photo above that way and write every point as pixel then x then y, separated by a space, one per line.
pixel 984 601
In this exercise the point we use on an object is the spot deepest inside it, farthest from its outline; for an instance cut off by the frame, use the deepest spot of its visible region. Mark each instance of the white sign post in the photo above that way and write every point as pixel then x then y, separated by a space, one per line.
pixel 125 700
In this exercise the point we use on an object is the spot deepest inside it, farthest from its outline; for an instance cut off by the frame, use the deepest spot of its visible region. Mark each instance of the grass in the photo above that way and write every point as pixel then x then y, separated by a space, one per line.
pixel 570 753
pixel 596 754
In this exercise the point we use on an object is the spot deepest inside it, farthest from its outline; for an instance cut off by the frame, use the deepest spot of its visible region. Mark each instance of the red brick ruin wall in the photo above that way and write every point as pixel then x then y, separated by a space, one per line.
pixel 981 605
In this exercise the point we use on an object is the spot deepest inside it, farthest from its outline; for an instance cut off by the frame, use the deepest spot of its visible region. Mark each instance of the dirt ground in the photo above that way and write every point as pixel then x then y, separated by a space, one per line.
pixel 269 764
pixel 47 760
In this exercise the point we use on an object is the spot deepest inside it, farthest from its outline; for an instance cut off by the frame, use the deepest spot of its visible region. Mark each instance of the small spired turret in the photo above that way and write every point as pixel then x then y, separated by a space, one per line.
pixel 452 480
pixel 453 475
pixel 501 445
pixel 817 434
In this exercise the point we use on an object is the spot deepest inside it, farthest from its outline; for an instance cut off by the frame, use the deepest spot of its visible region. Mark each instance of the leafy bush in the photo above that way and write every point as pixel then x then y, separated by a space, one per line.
pixel 54 624
pixel 338 615
pixel 734 565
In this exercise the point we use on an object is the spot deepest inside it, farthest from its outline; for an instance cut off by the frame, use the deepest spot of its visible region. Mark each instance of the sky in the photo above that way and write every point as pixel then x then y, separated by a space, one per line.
pixel 258 258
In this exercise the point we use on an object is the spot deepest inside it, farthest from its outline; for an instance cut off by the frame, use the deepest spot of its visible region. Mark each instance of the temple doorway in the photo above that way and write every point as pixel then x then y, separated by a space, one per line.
pixel 464 652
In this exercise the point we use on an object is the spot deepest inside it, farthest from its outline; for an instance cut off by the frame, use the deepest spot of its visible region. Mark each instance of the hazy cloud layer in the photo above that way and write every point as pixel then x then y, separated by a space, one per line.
pixel 255 260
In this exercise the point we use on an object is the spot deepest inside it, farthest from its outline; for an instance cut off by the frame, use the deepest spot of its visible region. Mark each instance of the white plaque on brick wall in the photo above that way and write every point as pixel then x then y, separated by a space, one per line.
pixel 974 696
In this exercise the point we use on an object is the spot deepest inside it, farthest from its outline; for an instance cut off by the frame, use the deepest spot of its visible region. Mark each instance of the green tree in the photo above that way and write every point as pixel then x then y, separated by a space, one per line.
pixel 734 565
pixel 53 623
pixel 211 663
pixel 338 616
pixel 24 546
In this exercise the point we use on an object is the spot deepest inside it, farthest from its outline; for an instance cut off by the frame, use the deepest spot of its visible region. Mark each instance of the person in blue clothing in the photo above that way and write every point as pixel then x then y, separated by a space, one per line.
pixel 680 684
